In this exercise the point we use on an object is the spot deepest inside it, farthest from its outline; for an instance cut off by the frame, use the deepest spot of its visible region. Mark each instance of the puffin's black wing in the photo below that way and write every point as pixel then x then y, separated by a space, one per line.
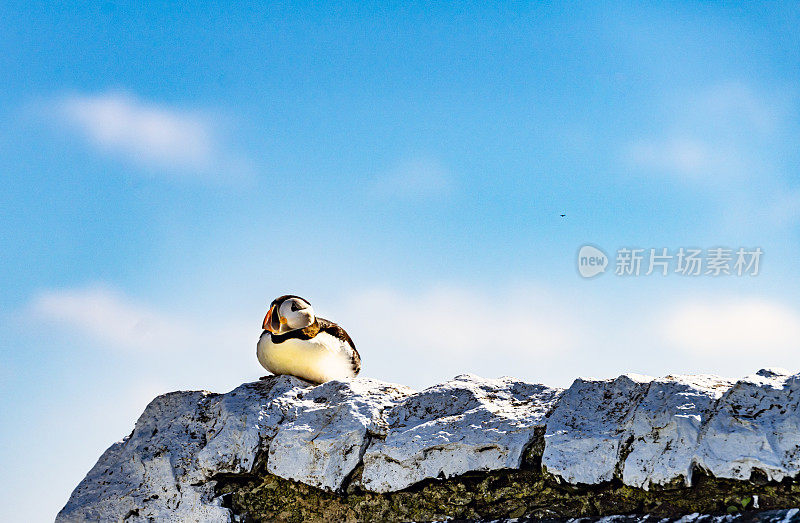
pixel 339 333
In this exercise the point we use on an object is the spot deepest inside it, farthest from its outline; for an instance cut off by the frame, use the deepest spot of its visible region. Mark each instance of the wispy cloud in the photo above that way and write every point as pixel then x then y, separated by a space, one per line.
pixel 689 157
pixel 735 327
pixel 738 105
pixel 734 143
pixel 150 135
pixel 413 337
pixel 110 318
pixel 554 335
pixel 425 336
pixel 720 135
pixel 418 177
pixel 446 330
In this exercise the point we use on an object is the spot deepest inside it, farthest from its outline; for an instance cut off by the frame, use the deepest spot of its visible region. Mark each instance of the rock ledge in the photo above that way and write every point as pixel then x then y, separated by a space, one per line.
pixel 471 448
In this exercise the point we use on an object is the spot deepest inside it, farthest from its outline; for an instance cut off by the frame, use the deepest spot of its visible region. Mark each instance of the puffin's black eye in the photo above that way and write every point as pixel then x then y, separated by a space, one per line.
pixel 295 308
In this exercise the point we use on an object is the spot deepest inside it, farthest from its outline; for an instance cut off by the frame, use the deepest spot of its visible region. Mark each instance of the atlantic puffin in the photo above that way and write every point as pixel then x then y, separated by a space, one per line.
pixel 295 341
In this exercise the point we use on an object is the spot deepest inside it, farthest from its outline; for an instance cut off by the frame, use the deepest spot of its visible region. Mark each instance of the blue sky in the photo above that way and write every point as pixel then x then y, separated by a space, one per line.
pixel 167 170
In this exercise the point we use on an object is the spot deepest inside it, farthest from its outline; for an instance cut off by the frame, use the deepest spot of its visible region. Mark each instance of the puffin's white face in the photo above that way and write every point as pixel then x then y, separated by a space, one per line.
pixel 288 314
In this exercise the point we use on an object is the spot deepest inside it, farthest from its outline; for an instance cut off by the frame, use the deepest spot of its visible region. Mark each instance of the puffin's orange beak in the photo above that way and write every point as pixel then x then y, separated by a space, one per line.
pixel 268 320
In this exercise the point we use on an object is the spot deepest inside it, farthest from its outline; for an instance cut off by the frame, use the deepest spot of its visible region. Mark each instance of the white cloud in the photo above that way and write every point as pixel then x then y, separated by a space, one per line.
pixel 419 177
pixel 200 348
pixel 682 155
pixel 412 337
pixel 450 319
pixel 150 135
pixel 722 328
pixel 108 317
pixel 115 321
pixel 425 336
pixel 443 331
pixel 723 134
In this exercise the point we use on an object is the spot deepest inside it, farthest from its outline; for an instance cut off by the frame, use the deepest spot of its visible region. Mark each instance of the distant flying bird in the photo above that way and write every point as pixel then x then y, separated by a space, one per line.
pixel 563 215
pixel 297 342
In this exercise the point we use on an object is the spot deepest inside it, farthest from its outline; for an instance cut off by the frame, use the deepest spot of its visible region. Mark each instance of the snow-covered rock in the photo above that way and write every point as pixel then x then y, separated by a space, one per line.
pixel 152 474
pixel 755 427
pixel 325 432
pixel 590 423
pixel 664 431
pixel 239 421
pixel 164 470
pixel 641 430
pixel 469 423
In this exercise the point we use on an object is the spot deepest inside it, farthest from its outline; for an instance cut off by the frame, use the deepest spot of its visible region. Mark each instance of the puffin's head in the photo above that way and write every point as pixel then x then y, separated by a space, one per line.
pixel 288 313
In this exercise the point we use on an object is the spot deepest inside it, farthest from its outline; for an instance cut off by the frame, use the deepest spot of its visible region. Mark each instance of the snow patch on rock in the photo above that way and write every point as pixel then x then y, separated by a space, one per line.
pixel 468 423
pixel 327 428
pixel 642 430
pixel 240 421
pixel 665 427
pixel 755 428
pixel 588 429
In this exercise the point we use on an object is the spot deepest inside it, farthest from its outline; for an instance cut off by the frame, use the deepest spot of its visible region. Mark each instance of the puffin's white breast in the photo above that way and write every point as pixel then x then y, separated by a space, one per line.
pixel 322 358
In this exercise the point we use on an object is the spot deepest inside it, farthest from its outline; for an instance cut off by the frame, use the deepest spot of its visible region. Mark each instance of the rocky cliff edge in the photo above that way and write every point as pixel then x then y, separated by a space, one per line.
pixel 283 449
